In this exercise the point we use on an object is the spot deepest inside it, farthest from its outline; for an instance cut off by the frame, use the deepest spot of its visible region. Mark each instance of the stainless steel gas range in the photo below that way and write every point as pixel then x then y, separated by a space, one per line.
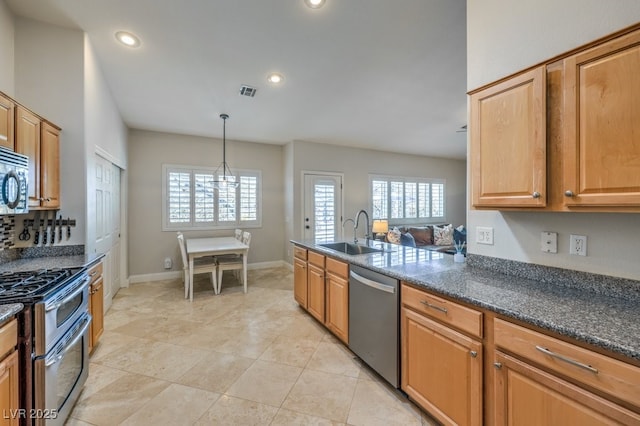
pixel 53 340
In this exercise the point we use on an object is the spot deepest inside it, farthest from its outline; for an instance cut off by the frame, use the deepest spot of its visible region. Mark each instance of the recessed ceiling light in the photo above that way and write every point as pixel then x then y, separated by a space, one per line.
pixel 275 78
pixel 314 4
pixel 128 39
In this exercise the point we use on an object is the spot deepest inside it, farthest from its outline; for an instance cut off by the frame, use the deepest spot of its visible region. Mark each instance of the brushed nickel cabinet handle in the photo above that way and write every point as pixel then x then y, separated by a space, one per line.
pixel 536 194
pixel 567 360
pixel 473 354
pixel 437 308
pixel 568 193
pixel 497 365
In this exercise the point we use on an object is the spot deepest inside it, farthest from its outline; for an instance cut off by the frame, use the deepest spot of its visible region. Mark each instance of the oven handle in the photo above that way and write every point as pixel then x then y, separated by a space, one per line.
pixel 371 283
pixel 50 362
pixel 69 297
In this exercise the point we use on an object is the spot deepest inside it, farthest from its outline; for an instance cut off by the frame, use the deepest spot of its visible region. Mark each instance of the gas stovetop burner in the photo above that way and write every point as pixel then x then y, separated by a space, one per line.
pixel 14 285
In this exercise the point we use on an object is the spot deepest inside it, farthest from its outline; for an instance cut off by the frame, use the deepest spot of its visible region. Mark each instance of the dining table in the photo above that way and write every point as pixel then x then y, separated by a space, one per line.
pixel 215 246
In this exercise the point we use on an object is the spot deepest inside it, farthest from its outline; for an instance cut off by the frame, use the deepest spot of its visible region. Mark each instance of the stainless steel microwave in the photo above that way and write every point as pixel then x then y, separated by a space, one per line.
pixel 14 181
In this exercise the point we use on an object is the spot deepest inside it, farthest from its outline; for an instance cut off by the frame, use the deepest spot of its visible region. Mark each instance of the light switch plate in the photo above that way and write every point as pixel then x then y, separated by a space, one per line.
pixel 549 242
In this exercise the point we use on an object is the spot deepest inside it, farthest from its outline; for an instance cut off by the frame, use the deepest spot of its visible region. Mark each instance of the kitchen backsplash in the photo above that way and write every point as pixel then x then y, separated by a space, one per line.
pixel 595 283
pixel 7 226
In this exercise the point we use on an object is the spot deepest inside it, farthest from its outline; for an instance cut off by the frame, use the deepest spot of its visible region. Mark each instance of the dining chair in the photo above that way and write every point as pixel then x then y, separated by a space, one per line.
pixel 235 264
pixel 202 265
pixel 238 234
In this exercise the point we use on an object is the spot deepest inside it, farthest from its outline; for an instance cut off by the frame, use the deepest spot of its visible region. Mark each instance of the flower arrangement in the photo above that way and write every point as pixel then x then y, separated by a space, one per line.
pixel 459 245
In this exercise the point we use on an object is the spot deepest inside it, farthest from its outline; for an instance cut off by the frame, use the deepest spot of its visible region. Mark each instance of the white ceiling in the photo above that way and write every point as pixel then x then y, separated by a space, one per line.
pixel 379 74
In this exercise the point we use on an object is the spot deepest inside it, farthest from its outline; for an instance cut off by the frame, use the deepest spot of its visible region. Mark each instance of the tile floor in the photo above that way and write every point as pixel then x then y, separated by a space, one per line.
pixel 231 359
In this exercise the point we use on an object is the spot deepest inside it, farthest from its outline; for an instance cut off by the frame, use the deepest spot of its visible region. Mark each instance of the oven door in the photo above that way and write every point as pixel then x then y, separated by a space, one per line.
pixel 56 314
pixel 59 376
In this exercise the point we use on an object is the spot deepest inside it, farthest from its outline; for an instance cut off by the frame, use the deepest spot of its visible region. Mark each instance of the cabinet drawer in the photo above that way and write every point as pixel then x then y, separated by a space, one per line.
pixel 598 371
pixel 95 272
pixel 8 337
pixel 300 253
pixel 337 267
pixel 315 259
pixel 451 313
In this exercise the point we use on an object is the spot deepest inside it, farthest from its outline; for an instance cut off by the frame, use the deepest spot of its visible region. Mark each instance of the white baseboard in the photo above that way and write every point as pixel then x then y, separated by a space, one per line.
pixel 160 276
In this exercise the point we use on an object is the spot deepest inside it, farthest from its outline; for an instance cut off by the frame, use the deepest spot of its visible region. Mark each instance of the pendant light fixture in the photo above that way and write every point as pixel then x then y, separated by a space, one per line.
pixel 223 178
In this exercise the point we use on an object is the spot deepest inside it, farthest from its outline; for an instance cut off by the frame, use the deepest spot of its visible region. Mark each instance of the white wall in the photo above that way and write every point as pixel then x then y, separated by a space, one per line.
pixel 356 165
pixel 49 80
pixel 503 37
pixel 148 244
pixel 105 132
pixel 7 31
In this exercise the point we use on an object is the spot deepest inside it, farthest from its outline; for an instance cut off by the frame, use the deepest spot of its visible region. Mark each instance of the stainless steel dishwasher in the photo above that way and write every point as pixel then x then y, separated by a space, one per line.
pixel 373 321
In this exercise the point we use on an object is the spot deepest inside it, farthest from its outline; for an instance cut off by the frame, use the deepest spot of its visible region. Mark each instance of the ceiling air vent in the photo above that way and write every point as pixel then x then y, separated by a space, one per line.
pixel 248 91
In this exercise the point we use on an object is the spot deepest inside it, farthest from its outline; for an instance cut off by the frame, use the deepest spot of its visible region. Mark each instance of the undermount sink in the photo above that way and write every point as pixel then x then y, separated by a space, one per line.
pixel 349 248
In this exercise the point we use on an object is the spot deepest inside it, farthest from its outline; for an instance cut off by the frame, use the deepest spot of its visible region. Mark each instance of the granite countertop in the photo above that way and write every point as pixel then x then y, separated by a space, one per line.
pixel 36 263
pixel 7 311
pixel 607 321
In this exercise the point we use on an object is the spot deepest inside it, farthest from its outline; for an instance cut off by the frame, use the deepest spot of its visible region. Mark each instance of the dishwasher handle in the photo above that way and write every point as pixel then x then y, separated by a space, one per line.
pixel 371 283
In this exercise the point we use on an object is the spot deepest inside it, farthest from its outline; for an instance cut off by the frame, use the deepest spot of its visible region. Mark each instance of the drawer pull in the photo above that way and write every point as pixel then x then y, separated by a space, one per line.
pixel 473 354
pixel 437 308
pixel 497 365
pixel 567 360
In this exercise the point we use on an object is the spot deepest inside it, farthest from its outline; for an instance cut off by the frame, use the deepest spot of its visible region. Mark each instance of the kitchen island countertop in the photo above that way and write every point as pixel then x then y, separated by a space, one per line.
pixel 606 321
pixel 53 262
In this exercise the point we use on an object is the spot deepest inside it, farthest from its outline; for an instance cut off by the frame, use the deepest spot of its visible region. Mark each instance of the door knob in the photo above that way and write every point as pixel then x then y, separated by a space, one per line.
pixel 307 227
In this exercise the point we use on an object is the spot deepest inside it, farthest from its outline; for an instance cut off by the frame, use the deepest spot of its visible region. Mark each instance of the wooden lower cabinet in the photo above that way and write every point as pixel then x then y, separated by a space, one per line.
pixel 526 395
pixel 300 286
pixel 441 370
pixel 96 304
pixel 316 292
pixel 9 380
pixel 337 318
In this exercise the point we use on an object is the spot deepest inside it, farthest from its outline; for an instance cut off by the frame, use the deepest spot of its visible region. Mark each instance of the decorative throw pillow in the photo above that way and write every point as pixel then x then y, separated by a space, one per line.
pixel 406 239
pixel 460 234
pixel 393 236
pixel 443 236
pixel 422 236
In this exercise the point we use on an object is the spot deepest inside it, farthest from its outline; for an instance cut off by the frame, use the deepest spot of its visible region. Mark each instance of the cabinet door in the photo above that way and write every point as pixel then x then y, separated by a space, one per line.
pixel 338 306
pixel 9 403
pixel 525 395
pixel 97 311
pixel 316 293
pixel 508 142
pixel 28 143
pixel 50 166
pixel 602 131
pixel 300 282
pixel 441 370
pixel 7 109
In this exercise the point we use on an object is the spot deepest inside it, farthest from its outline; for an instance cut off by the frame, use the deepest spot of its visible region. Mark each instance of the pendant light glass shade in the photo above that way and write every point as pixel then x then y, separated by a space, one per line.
pixel 224 179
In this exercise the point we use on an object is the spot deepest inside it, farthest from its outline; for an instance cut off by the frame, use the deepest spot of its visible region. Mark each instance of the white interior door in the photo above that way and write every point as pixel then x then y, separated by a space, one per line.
pixel 322 207
pixel 107 226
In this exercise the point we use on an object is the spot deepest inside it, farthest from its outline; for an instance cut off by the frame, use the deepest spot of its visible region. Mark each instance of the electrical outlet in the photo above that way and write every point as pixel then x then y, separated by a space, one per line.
pixel 167 263
pixel 578 245
pixel 549 242
pixel 484 235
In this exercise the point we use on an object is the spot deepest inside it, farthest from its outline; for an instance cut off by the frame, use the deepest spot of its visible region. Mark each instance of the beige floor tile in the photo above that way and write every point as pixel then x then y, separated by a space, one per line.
pixel 109 342
pixel 208 336
pixel 334 358
pixel 100 376
pixel 322 395
pixel 116 318
pixel 175 405
pixel 288 418
pixel 118 400
pixel 216 372
pixel 265 382
pixel 375 403
pixel 75 422
pixel 156 359
pixel 290 350
pixel 306 328
pixel 249 344
pixel 230 411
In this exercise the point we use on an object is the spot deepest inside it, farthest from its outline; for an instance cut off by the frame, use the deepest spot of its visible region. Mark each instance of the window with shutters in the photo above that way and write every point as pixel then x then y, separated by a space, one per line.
pixel 190 200
pixel 407 200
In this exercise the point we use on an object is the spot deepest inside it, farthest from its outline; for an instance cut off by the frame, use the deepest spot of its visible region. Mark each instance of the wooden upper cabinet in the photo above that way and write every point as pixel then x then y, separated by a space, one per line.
pixel 602 124
pixel 50 166
pixel 7 111
pixel 508 142
pixel 28 143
